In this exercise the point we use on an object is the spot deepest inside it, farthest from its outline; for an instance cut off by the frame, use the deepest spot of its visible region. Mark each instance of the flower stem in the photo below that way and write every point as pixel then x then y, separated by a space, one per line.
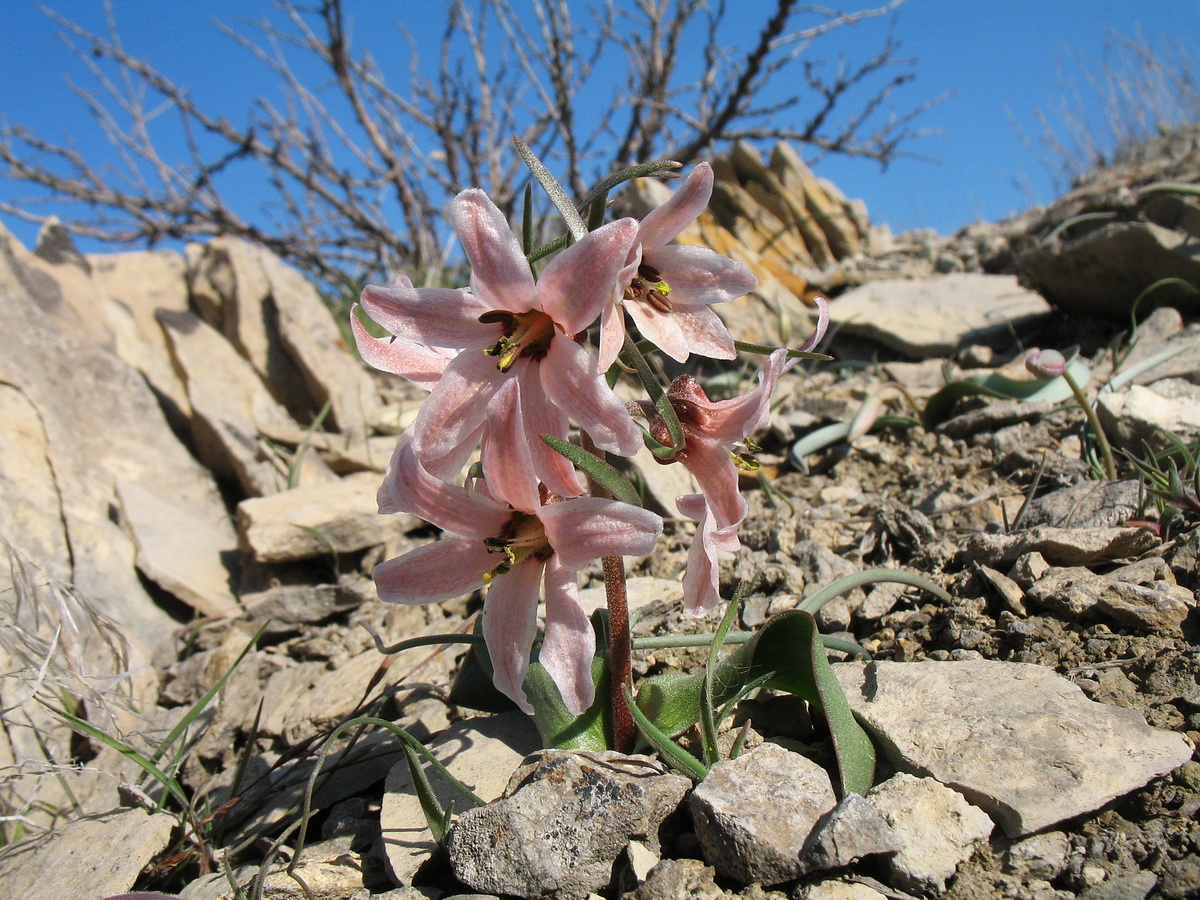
pixel 620 656
pixel 620 640
pixel 1110 468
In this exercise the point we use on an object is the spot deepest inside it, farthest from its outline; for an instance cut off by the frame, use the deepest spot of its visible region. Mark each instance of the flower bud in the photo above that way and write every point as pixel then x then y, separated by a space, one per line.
pixel 1048 363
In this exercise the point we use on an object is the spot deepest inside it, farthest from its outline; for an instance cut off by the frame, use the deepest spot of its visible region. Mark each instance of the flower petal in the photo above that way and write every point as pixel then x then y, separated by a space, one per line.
pixel 543 417
pixel 457 406
pixel 700 276
pixel 667 221
pixel 417 363
pixel 661 329
pixel 500 275
pixel 571 382
pixel 701 581
pixel 569 643
pixel 705 333
pixel 443 570
pixel 408 487
pixel 708 460
pixel 436 317
pixel 612 336
pixel 733 419
pixel 509 626
pixel 507 460
pixel 581 282
pixel 587 528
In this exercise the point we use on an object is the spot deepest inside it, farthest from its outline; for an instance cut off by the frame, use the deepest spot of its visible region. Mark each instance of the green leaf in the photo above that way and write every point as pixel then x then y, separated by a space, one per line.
pixel 672 753
pixel 643 170
pixel 808 674
pixel 788 652
pixel 598 470
pixel 557 195
pixel 848 583
pixel 632 357
pixel 1035 390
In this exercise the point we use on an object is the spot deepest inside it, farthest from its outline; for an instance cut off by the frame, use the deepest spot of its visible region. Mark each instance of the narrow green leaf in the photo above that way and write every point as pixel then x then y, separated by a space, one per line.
pixel 671 752
pixel 790 647
pixel 600 471
pixel 643 170
pixel 871 576
pixel 198 707
pixel 1051 390
pixel 435 817
pixel 553 189
pixel 708 721
pixel 632 357
pixel 89 730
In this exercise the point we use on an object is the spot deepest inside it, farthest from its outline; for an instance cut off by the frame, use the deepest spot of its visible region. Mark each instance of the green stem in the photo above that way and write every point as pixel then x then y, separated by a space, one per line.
pixel 1110 468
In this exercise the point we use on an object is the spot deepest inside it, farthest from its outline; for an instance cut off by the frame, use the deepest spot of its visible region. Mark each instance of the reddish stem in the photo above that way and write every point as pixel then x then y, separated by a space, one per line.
pixel 620 647
pixel 620 655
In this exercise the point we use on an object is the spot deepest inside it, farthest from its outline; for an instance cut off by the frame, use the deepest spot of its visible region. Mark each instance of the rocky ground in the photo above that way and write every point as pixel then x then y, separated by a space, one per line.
pixel 1039 781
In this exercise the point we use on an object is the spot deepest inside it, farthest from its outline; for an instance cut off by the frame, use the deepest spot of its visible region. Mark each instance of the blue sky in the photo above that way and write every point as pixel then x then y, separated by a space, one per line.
pixel 1004 60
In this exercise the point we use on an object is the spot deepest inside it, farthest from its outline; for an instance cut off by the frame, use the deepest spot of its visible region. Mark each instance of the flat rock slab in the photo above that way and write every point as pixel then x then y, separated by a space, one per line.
pixel 1062 546
pixel 313 520
pixel 85 859
pixel 924 319
pixel 1019 741
pixel 193 563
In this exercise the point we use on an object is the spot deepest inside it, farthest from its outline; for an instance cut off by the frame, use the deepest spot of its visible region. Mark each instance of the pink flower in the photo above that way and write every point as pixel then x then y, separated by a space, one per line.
pixel 711 428
pixel 668 288
pixel 509 329
pixel 515 550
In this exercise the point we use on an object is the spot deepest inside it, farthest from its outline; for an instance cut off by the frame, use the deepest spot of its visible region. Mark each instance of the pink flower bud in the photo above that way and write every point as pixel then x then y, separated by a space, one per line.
pixel 1046 363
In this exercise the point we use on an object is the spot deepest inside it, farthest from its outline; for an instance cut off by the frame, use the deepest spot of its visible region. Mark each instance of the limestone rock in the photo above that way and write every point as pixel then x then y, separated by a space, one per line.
pixel 65 864
pixel 95 421
pixel 279 324
pixel 564 820
pixel 1062 546
pixel 1101 271
pixel 188 561
pixel 753 814
pixel 1136 416
pixel 852 830
pixel 335 516
pixel 481 752
pixel 229 412
pixel 935 318
pixel 937 829
pixel 1018 740
pixel 139 284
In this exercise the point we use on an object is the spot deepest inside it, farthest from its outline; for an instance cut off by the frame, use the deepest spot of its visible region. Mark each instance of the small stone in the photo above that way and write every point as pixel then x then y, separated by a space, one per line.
pixel 481 752
pixel 936 827
pixel 753 814
pixel 1122 887
pixel 1040 856
pixel 678 879
pixel 1028 568
pixel 854 829
pixel 839 890
pixel 65 865
pixel 564 820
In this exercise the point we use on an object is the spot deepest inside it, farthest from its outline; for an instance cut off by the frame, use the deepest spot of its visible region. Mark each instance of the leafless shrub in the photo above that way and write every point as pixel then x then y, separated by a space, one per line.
pixel 1139 88
pixel 355 172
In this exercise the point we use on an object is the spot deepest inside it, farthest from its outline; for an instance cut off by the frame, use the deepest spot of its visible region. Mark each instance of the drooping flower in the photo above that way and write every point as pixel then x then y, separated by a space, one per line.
pixel 515 549
pixel 509 328
pixel 667 288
